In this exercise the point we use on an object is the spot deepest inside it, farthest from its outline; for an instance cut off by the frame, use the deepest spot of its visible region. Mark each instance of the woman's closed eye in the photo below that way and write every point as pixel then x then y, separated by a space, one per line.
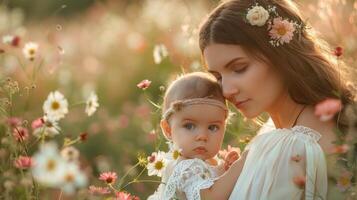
pixel 189 126
pixel 213 127
pixel 239 69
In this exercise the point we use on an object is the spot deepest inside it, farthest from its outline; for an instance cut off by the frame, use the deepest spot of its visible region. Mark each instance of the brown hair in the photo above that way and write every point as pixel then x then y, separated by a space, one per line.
pixel 305 64
pixel 192 85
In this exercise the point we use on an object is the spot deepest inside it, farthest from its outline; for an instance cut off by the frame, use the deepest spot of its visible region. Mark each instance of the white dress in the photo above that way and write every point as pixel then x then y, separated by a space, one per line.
pixel 275 161
pixel 184 180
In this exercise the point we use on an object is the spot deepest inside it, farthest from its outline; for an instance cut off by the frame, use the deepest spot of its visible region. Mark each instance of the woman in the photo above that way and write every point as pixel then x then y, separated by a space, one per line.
pixel 266 60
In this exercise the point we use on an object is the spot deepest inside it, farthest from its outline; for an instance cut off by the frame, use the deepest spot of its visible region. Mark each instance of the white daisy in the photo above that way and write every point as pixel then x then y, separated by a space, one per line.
pixel 92 104
pixel 56 106
pixel 70 154
pixel 49 128
pixel 174 153
pixel 30 50
pixel 157 163
pixel 160 52
pixel 7 39
pixel 72 178
pixel 49 165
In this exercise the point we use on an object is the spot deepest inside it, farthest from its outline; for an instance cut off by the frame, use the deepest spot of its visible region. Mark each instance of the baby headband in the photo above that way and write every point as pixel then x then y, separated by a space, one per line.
pixel 178 105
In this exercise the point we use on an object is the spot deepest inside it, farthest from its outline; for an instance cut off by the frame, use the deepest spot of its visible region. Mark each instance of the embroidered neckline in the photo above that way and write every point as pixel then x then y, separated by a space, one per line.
pixel 305 130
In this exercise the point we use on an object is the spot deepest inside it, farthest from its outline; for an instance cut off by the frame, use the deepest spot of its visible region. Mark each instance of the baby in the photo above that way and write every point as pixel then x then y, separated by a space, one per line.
pixel 194 120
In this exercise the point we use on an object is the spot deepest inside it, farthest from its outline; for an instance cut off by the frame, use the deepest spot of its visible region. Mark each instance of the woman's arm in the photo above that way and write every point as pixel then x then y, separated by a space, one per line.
pixel 223 187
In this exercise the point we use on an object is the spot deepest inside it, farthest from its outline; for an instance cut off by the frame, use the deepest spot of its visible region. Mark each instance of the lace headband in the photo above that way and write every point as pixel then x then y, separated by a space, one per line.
pixel 178 105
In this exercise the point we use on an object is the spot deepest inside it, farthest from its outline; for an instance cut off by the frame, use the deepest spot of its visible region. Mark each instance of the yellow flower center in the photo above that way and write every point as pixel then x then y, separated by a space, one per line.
pixel 55 105
pixel 159 165
pixel 69 178
pixel 32 51
pixel 176 154
pixel 282 30
pixel 51 165
pixel 344 181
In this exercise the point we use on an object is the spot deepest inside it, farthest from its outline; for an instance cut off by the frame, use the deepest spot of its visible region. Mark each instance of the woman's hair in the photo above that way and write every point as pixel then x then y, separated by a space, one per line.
pixel 306 64
pixel 191 86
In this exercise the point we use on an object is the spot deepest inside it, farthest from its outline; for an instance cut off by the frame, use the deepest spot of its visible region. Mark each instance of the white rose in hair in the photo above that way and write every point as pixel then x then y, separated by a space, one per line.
pixel 257 16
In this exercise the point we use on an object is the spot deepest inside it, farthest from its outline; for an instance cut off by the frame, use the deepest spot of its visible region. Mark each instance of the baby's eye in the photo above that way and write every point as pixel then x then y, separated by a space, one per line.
pixel 189 126
pixel 213 128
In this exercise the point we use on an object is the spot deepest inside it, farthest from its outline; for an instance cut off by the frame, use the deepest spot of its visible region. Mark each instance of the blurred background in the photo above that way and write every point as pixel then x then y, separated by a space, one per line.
pixel 108 47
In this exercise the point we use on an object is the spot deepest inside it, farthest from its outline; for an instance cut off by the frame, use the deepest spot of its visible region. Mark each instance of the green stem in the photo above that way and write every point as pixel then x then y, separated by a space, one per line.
pixel 127 173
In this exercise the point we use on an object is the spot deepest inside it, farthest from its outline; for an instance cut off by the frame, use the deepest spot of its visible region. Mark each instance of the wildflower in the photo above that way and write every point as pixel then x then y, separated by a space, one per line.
pixel 299 181
pixel 144 84
pixel 37 123
pixel 20 133
pixel 83 136
pixel 72 178
pixel 92 104
pixel 160 52
pixel 281 31
pixel 344 181
pixel 108 177
pixel 338 51
pixel 98 190
pixel 14 121
pixel 327 109
pixel 11 40
pixel 49 128
pixel 257 16
pixel 70 154
pixel 23 162
pixel 340 149
pixel 30 50
pixel 224 153
pixel 175 153
pixel 50 166
pixel 157 164
pixel 123 196
pixel 56 106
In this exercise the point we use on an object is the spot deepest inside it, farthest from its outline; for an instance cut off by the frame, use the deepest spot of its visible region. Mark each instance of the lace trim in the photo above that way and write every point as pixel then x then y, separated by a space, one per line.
pixel 307 131
pixel 189 177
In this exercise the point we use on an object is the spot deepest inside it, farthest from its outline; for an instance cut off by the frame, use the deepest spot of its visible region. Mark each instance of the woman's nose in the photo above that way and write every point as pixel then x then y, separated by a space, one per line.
pixel 229 89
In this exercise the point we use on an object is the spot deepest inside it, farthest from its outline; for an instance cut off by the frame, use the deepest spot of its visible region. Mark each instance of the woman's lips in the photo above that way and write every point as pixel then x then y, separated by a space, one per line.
pixel 240 104
pixel 200 150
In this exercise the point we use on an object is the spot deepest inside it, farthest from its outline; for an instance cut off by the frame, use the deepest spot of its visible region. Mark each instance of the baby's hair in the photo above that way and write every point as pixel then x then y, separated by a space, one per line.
pixel 191 86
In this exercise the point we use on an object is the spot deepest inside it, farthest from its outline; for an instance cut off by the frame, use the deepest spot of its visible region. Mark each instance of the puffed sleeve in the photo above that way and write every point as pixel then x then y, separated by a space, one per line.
pixel 312 163
pixel 188 178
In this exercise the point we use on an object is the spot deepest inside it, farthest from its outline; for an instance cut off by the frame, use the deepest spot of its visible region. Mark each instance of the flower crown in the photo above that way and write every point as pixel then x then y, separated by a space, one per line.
pixel 280 30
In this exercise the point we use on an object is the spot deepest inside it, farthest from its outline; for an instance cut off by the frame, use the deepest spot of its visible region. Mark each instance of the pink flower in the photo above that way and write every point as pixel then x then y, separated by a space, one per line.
pixel 327 109
pixel 282 31
pixel 344 181
pixel 98 190
pixel 144 84
pixel 37 123
pixel 15 41
pixel 20 133
pixel 108 177
pixel 23 162
pixel 14 121
pixel 83 136
pixel 125 196
pixel 152 158
pixel 338 51
pixel 300 181
pixel 225 152
pixel 340 149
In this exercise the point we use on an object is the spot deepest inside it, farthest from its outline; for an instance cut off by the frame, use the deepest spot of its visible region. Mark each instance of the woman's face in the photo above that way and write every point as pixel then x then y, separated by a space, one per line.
pixel 250 84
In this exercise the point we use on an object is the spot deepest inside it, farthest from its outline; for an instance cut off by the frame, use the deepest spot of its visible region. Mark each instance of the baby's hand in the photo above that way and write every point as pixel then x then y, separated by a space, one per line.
pixel 229 155
pixel 230 158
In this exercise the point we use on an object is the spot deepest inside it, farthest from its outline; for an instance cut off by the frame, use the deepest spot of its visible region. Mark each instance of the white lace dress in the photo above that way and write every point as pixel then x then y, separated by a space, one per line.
pixel 185 179
pixel 277 163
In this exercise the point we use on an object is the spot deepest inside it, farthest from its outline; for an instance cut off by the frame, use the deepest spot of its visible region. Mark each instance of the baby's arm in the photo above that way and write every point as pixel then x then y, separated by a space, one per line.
pixel 222 188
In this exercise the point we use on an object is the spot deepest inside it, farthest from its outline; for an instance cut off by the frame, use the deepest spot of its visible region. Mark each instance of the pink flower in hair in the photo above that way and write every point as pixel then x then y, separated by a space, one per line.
pixel 281 31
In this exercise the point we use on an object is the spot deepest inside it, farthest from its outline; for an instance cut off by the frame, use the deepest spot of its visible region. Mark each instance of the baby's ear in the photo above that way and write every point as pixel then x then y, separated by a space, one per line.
pixel 166 129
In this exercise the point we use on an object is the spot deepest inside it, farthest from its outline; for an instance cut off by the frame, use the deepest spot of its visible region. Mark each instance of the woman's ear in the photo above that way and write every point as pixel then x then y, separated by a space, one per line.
pixel 166 129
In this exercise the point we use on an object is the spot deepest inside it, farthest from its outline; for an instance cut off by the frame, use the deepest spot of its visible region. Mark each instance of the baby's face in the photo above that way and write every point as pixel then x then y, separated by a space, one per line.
pixel 198 130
